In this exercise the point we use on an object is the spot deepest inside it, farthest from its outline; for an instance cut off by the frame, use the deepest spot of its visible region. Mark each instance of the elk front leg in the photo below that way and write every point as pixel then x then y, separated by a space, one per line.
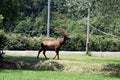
pixel 54 56
pixel 57 54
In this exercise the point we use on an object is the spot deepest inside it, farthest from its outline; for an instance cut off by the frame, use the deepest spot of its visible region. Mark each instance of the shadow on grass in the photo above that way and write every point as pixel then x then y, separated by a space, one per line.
pixel 112 69
pixel 32 63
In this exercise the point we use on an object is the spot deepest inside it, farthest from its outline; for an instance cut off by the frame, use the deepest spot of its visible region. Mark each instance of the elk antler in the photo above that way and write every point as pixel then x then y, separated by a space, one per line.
pixel 61 30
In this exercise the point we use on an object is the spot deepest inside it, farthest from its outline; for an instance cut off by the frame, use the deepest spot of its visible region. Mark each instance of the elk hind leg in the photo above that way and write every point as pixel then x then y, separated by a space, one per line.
pixel 58 55
pixel 39 53
pixel 44 54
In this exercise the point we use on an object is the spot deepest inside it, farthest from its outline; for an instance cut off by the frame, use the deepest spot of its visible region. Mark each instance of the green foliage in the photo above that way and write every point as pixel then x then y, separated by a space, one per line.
pixel 103 43
pixel 9 9
pixel 77 8
pixel 21 42
pixel 77 42
pixel 3 39
pixel 29 18
pixel 107 7
pixel 31 26
pixel 1 17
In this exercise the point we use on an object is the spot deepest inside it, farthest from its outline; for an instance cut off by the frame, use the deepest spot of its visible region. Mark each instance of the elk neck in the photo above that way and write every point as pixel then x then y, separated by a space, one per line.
pixel 62 41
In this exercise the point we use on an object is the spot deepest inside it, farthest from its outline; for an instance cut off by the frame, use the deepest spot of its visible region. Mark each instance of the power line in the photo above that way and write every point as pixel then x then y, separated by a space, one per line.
pixel 109 34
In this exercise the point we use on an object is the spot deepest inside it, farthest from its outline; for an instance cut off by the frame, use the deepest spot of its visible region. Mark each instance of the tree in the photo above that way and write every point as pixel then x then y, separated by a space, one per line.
pixel 105 15
pixel 77 8
pixel 9 10
pixel 3 39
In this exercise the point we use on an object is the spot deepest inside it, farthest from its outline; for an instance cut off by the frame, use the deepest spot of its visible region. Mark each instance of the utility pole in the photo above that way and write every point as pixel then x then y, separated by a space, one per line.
pixel 88 29
pixel 48 20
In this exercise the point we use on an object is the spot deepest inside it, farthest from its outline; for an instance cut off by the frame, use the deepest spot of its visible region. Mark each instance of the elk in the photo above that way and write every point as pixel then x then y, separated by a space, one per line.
pixel 52 45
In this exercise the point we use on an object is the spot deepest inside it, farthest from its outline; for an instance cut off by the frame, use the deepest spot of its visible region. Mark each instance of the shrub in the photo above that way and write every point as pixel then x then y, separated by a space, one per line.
pixel 20 42
pixel 76 43
pixel 3 39
pixel 101 43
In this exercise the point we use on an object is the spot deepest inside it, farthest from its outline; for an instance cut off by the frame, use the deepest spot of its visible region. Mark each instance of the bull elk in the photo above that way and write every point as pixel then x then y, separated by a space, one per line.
pixel 52 45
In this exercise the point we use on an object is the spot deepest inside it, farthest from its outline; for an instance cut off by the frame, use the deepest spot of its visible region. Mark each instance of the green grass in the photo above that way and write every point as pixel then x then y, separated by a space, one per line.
pixel 93 59
pixel 69 67
pixel 50 75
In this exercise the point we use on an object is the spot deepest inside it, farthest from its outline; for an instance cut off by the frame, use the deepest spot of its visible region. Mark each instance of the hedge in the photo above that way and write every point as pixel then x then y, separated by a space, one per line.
pixel 76 43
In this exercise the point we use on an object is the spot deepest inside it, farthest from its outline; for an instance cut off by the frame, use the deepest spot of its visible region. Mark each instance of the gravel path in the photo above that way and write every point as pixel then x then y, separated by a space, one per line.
pixel 61 52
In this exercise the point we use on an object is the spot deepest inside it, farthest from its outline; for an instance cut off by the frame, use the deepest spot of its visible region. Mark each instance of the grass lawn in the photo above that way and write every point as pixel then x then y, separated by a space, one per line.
pixel 50 75
pixel 69 67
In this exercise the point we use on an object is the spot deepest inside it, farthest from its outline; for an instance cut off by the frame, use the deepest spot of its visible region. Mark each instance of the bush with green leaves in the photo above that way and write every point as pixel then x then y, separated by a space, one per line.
pixel 103 43
pixel 21 42
pixel 76 43
pixel 3 39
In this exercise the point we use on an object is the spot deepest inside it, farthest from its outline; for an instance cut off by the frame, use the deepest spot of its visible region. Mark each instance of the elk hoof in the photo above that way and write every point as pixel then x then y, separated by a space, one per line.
pixel 54 58
pixel 46 58
pixel 37 57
